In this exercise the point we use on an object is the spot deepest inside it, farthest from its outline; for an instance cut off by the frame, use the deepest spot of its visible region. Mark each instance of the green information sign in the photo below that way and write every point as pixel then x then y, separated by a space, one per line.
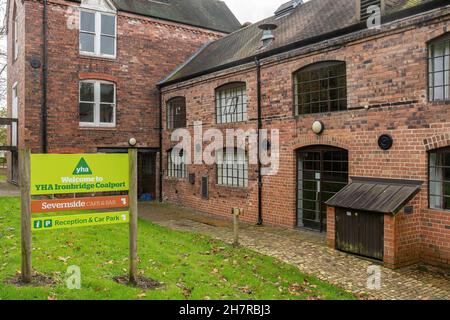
pixel 82 220
pixel 78 173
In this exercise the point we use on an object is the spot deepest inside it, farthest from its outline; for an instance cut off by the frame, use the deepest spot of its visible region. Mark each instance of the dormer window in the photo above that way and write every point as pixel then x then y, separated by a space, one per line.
pixel 98 29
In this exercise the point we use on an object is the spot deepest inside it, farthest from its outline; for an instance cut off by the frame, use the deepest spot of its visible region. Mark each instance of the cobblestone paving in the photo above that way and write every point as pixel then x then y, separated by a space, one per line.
pixel 8 190
pixel 309 252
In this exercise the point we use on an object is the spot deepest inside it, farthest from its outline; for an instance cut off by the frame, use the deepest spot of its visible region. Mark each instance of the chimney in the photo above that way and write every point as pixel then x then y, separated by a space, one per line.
pixel 363 5
pixel 268 36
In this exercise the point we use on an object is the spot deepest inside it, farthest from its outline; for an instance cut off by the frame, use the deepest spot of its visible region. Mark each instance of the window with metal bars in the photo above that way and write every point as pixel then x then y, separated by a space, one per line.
pixel 232 167
pixel 439 179
pixel 176 164
pixel 321 87
pixel 176 113
pixel 439 69
pixel 231 103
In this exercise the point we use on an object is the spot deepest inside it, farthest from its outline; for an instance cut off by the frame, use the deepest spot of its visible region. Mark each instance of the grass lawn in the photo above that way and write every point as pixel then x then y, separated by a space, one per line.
pixel 2 178
pixel 190 266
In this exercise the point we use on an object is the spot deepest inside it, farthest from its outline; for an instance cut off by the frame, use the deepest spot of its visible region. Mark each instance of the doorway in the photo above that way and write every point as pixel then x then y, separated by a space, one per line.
pixel 322 171
pixel 147 175
pixel 146 171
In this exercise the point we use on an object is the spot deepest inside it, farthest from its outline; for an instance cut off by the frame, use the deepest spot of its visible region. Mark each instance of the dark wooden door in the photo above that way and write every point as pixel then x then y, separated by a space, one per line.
pixel 360 233
pixel 147 174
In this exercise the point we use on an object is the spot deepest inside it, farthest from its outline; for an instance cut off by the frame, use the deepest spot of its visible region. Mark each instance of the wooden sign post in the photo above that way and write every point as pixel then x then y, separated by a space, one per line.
pixel 236 212
pixel 132 154
pixel 25 204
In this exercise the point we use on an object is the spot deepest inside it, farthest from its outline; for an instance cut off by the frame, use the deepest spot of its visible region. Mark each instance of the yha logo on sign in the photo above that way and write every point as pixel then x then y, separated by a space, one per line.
pixel 82 168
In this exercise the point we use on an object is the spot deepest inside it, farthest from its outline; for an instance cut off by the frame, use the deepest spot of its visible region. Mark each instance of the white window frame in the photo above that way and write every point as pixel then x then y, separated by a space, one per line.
pixel 98 34
pixel 97 104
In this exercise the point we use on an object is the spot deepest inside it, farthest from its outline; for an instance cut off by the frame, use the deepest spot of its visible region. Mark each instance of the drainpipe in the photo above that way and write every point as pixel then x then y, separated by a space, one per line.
pixel 160 145
pixel 260 180
pixel 44 141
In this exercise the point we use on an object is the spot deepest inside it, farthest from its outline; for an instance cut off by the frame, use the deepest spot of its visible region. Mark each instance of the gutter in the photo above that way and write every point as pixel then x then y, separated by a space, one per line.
pixel 44 137
pixel 160 145
pixel 313 40
pixel 260 179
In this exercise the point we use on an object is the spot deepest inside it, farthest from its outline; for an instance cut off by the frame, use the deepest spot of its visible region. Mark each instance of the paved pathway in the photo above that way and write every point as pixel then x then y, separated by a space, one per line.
pixel 8 190
pixel 308 251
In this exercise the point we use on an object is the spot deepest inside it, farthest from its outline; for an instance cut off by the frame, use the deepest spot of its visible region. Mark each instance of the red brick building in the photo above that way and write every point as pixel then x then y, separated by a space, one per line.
pixel 374 174
pixel 82 76
pixel 379 98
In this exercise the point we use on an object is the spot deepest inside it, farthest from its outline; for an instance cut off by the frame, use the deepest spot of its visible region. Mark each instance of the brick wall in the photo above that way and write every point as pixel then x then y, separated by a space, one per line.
pixel 200 102
pixel 387 73
pixel 16 72
pixel 147 51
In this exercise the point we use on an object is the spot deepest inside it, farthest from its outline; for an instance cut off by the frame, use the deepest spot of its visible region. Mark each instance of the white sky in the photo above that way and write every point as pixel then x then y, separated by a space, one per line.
pixel 253 10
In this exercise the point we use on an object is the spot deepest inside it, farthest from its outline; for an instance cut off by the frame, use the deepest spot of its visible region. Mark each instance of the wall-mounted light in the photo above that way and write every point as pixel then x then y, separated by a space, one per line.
pixel 132 142
pixel 318 127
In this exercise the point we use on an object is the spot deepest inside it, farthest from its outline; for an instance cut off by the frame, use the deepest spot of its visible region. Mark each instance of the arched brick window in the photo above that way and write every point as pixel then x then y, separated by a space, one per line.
pixel 439 178
pixel 232 167
pixel 231 103
pixel 176 113
pixel 320 87
pixel 439 69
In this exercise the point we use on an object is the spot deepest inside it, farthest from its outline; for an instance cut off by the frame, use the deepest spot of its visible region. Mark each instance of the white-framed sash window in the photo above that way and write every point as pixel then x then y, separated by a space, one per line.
pixel 97 103
pixel 98 33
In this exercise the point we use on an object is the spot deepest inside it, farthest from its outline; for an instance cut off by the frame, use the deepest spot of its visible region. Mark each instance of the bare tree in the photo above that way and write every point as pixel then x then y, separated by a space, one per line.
pixel 3 54
pixel 3 68
pixel 3 131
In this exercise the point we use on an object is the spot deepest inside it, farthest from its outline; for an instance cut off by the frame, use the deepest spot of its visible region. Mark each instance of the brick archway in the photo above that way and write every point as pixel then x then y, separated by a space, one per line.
pixel 437 141
pixel 311 140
